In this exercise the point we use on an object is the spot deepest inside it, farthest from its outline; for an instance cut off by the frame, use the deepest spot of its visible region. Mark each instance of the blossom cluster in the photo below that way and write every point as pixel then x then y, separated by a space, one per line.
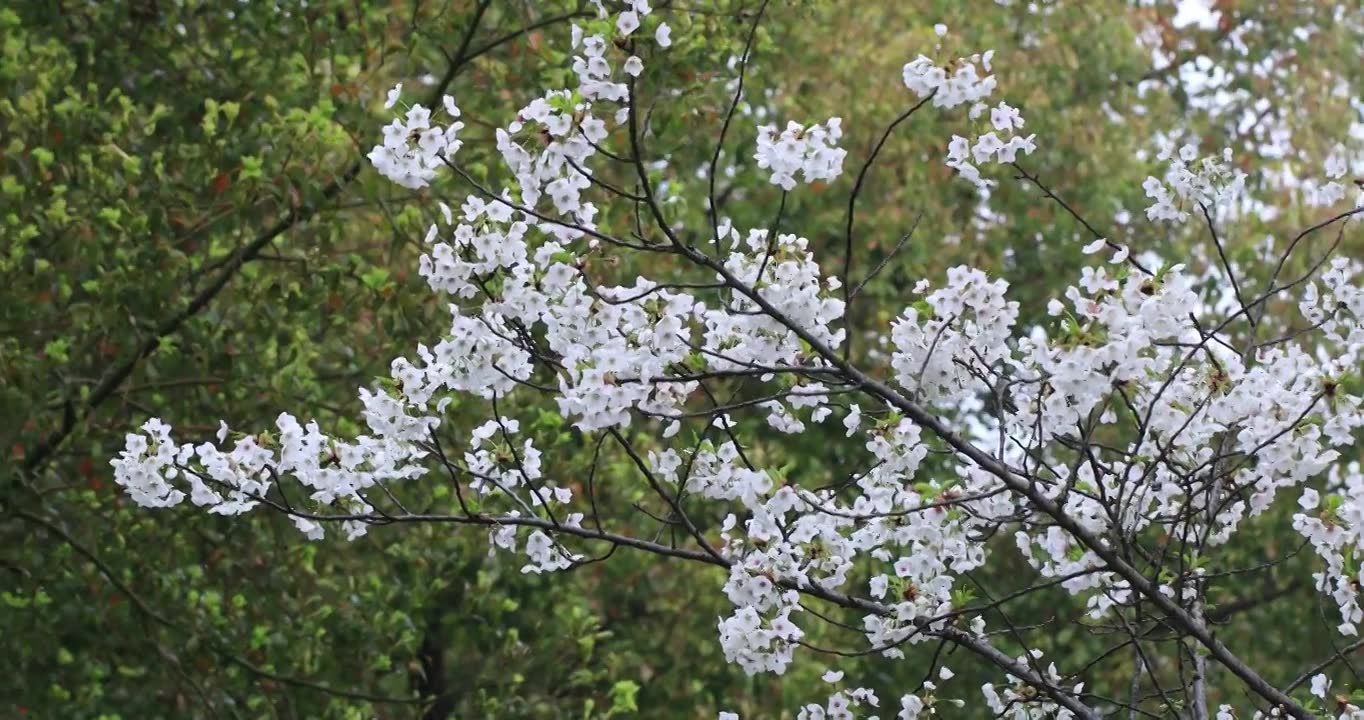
pixel 964 325
pixel 965 156
pixel 959 83
pixel 1190 181
pixel 414 149
pixel 1332 191
pixel 1017 700
pixel 811 151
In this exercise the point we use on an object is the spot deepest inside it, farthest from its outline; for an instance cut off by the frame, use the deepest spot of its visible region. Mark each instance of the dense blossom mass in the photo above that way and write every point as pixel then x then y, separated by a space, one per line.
pixel 1143 409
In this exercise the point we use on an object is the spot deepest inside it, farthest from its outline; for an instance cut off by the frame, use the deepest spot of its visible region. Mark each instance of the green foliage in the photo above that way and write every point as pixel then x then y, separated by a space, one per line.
pixel 187 231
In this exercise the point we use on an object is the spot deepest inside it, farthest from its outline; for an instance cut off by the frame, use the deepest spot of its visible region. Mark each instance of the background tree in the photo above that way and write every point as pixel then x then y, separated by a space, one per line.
pixel 333 287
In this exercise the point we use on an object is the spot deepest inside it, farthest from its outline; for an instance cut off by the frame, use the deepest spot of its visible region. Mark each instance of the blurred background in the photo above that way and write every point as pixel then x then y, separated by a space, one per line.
pixel 188 231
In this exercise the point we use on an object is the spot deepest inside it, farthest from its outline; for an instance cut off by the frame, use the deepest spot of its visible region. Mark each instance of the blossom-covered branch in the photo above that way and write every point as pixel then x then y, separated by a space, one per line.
pixel 1120 442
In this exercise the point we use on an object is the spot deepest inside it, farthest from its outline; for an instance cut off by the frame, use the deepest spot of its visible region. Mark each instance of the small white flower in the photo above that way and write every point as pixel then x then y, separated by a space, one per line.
pixel 393 96
pixel 853 420
pixel 1005 117
pixel 1335 164
pixel 1310 499
pixel 1095 246
pixel 634 66
pixel 1320 684
pixel 940 29
pixel 911 706
pixel 310 529
pixel 627 23
pixel 879 585
pixel 663 35
pixel 833 676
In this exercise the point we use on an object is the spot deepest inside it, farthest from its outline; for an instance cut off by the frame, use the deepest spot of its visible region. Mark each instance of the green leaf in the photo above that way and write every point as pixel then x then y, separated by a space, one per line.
pixel 375 278
pixel 623 697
